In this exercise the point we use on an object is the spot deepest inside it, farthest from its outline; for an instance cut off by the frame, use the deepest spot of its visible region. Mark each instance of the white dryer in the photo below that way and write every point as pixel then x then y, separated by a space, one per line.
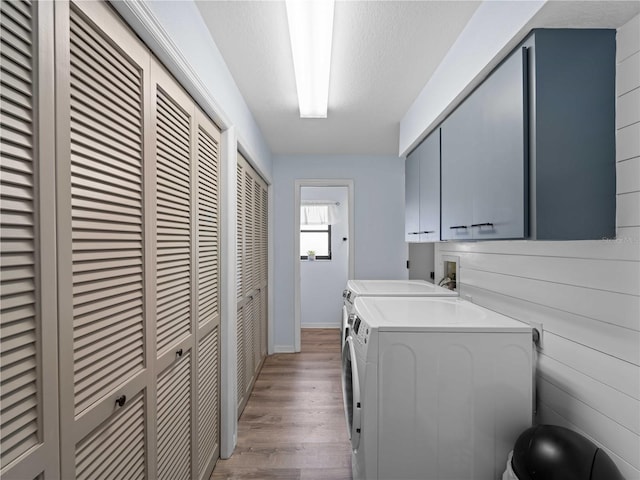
pixel 386 288
pixel 435 388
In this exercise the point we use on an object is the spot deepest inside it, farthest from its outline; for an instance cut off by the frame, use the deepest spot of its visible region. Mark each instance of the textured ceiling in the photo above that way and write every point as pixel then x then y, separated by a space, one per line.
pixel 384 52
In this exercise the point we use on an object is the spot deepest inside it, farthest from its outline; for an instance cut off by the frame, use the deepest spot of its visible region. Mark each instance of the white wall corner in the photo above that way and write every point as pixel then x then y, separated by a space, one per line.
pixel 492 32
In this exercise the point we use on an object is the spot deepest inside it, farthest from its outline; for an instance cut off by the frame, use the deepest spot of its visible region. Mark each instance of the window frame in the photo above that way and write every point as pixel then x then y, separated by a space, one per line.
pixel 328 232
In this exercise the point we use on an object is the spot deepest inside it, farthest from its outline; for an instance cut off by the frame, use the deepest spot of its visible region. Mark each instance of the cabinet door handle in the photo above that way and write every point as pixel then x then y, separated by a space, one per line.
pixel 458 227
pixel 429 231
pixel 414 233
pixel 120 401
pixel 482 225
pixel 179 353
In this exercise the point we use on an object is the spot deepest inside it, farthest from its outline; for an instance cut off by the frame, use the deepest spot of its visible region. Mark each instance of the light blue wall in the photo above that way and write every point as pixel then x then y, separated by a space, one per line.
pixel 380 250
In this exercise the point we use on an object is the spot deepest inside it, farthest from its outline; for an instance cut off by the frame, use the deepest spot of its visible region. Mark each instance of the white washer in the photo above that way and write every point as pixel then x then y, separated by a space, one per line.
pixel 386 288
pixel 435 388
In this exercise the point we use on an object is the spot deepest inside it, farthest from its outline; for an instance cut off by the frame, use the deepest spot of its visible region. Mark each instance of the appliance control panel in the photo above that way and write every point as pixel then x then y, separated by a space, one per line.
pixel 360 330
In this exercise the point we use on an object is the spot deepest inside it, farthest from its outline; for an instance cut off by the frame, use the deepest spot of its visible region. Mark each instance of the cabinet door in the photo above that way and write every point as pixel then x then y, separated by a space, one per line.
pixel 412 196
pixel 483 159
pixel 459 145
pixel 499 166
pixel 430 188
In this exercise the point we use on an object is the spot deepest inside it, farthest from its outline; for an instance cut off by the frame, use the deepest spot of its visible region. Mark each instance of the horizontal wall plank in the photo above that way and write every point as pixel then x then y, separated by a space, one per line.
pixel 628 210
pixel 619 343
pixel 593 249
pixel 628 176
pixel 628 74
pixel 618 374
pixel 628 39
pixel 628 108
pixel 610 402
pixel 611 434
pixel 628 142
pixel 616 309
pixel 630 235
pixel 547 415
pixel 579 272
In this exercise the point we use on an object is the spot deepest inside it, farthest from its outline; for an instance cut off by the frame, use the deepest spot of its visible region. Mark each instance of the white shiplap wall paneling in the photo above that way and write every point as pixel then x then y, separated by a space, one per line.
pixel 585 294
pixel 628 131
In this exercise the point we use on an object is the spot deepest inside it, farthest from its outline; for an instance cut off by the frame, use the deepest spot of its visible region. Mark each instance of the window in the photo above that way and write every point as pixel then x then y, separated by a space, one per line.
pixel 316 238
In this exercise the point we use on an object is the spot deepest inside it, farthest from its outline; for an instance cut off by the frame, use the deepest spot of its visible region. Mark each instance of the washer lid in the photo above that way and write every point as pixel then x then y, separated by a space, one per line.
pixel 432 314
pixel 397 288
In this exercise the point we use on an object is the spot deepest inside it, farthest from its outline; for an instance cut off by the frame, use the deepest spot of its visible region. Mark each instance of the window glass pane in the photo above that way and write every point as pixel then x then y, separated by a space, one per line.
pixel 317 241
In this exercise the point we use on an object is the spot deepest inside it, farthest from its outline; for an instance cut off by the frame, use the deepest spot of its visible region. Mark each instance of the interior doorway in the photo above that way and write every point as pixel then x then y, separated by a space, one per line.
pixel 323 250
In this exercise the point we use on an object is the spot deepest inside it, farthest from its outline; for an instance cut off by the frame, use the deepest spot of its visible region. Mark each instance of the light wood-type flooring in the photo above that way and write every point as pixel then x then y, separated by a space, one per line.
pixel 293 427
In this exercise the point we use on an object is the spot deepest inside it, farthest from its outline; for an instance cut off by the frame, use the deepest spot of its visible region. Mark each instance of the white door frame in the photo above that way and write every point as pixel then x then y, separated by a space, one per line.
pixel 296 241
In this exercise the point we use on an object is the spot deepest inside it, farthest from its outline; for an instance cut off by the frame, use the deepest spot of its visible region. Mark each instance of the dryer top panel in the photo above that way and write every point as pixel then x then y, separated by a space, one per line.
pixel 433 315
pixel 397 288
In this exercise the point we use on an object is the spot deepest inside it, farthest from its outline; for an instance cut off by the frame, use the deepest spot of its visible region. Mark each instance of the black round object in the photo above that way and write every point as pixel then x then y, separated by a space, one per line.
pixel 549 452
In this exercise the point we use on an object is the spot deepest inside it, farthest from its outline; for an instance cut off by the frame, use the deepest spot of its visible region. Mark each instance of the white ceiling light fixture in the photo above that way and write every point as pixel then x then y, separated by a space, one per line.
pixel 311 33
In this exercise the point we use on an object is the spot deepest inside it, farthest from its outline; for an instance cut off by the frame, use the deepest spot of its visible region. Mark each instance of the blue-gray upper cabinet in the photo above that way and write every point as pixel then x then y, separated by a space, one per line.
pixel 422 191
pixel 572 134
pixel 531 152
pixel 484 158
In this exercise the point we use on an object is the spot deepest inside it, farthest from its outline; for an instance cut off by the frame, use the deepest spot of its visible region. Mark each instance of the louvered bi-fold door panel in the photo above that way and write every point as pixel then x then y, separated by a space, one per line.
pixel 101 105
pixel 20 367
pixel 239 228
pixel 28 389
pixel 241 359
pixel 208 226
pixel 174 220
pixel 207 418
pixel 174 421
pixel 248 262
pixel 264 235
pixel 208 424
pixel 251 262
pixel 115 449
pixel 107 216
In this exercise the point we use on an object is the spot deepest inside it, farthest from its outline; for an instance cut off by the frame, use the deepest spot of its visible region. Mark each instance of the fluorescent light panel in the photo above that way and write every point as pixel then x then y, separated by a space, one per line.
pixel 311 32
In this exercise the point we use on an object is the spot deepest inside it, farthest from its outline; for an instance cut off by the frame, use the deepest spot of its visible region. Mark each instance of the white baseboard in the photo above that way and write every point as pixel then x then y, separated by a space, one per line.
pixel 284 349
pixel 320 325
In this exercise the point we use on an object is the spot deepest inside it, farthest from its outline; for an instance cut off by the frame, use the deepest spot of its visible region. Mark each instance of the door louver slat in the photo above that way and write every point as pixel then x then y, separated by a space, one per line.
pixel 106 201
pixel 19 317
pixel 116 448
pixel 207 227
pixel 239 235
pixel 208 400
pixel 174 417
pixel 173 161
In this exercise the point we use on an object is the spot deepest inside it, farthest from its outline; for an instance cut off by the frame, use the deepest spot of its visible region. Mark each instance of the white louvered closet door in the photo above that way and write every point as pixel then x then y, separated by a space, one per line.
pixel 102 272
pixel 264 268
pixel 207 419
pixel 251 289
pixel 28 321
pixel 174 126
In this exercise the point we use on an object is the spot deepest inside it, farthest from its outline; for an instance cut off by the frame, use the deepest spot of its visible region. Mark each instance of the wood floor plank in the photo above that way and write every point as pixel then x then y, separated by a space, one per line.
pixel 293 427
